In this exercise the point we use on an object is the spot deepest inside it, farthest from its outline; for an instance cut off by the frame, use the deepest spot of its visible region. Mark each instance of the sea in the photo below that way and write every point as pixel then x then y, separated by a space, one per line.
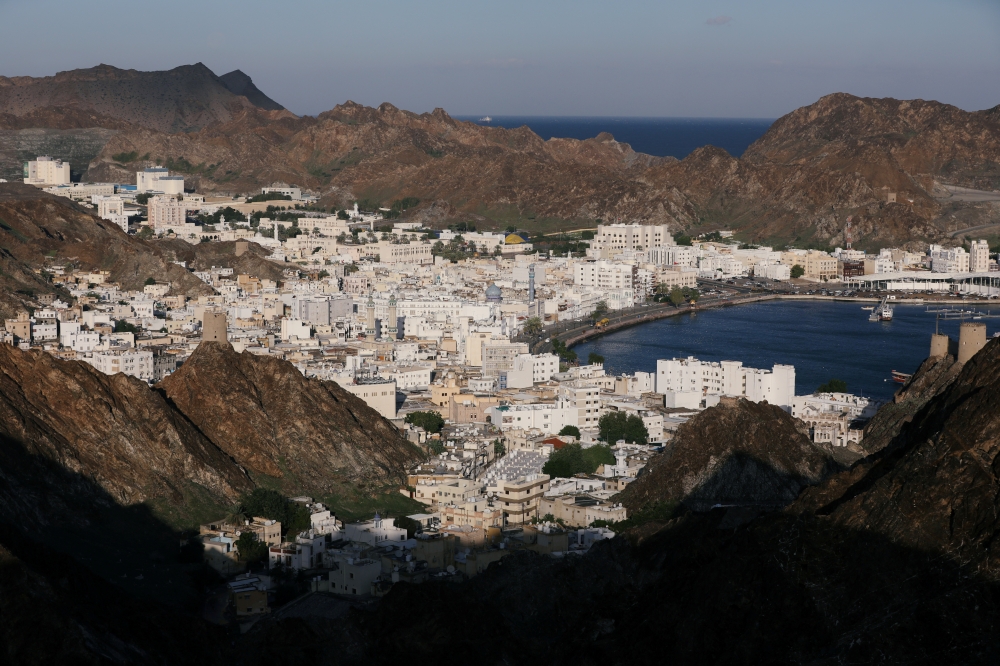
pixel 674 137
pixel 823 340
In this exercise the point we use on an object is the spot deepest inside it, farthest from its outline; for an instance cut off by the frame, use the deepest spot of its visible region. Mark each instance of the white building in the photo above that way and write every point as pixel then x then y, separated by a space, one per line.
pixel 375 532
pixel 531 368
pixel 549 418
pixel 950 259
pixel 294 192
pixel 687 376
pixel 46 171
pixel 158 180
pixel 138 364
pixel 112 208
pixel 379 394
pixel 615 281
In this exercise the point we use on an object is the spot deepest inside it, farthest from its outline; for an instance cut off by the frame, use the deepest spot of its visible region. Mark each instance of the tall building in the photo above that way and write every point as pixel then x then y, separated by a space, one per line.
pixel 979 257
pixel 46 171
pixel 166 211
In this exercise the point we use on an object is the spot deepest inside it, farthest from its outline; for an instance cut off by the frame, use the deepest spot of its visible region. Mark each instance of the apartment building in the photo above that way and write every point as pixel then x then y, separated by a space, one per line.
pixel 132 362
pixel 519 498
pixel 379 394
pixel 613 237
pixel 951 259
pixel 529 369
pixel 166 211
pixel 979 257
pixel 585 398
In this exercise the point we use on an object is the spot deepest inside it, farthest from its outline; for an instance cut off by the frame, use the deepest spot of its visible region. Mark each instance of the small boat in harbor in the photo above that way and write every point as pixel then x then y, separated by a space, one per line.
pixel 900 377
pixel 869 308
pixel 881 312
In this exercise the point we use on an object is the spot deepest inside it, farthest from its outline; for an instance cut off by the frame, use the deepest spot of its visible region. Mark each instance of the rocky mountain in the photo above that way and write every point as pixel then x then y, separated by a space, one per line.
pixel 239 83
pixel 738 453
pixel 183 99
pixel 887 163
pixel 310 434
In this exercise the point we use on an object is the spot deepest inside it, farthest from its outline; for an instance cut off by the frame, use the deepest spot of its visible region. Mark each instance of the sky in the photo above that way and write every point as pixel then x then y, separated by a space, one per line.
pixel 663 58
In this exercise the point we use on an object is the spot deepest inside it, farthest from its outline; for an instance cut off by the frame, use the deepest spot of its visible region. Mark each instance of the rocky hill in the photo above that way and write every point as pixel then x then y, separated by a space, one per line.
pixel 183 99
pixel 738 453
pixel 272 421
pixel 39 231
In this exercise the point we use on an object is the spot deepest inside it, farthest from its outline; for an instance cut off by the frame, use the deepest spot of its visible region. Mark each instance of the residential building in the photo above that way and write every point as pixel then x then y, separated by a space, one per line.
pixel 158 180
pixel 519 498
pixel 979 257
pixel 529 369
pixel 702 378
pixel 379 394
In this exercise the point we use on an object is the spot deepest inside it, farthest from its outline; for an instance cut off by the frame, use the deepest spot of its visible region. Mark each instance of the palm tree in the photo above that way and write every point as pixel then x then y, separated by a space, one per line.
pixel 533 326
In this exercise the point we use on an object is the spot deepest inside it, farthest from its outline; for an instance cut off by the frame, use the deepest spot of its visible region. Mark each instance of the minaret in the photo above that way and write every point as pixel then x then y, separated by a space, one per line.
pixel 392 317
pixel 370 325
pixel 531 284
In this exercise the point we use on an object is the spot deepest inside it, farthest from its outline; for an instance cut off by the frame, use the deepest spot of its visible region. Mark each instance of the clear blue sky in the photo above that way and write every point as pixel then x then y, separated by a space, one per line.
pixel 747 58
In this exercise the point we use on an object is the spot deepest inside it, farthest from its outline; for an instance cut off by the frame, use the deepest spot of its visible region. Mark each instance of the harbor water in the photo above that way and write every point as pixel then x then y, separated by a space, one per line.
pixel 823 340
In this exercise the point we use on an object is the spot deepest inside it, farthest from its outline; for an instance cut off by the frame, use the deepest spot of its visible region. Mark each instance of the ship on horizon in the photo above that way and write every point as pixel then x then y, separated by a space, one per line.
pixel 485 119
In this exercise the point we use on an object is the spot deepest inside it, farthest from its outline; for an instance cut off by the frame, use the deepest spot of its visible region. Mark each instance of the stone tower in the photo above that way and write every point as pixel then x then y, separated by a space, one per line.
pixel 370 321
pixel 214 327
pixel 971 338
pixel 391 332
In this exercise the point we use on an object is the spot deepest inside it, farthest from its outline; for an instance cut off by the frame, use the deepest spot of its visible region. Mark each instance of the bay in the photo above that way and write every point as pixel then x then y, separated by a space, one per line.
pixel 823 340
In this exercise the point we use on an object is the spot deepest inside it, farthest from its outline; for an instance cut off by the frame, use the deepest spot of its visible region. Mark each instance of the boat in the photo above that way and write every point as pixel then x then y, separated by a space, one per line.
pixel 882 312
pixel 485 119
pixel 900 377
pixel 869 308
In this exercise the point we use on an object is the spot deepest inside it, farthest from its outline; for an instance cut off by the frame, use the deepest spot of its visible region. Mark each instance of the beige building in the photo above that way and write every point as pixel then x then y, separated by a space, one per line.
pixel 819 265
pixel 586 399
pixel 470 407
pixel 519 499
pixel 166 211
pixel 581 510
pixel 46 171
pixel 616 237
pixel 979 257
pixel 20 327
pixel 380 395
pixel 499 356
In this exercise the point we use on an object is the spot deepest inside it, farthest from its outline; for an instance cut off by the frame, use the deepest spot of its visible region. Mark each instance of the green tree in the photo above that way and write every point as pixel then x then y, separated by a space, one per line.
pixel 250 549
pixel 797 271
pixel 149 281
pixel 600 310
pixel 833 386
pixel 533 326
pixel 342 215
pixel 682 239
pixel 145 233
pixel 594 357
pixel 676 296
pixel 409 524
pixel 614 426
pixel 570 431
pixel 499 450
pixel 122 326
pixel 142 198
pixel 574 459
pixel 430 421
pixel 587 235
pixel 271 504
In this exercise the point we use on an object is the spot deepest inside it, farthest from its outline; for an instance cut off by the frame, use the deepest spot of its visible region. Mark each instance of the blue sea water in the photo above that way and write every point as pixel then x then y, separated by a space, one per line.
pixel 675 137
pixel 823 340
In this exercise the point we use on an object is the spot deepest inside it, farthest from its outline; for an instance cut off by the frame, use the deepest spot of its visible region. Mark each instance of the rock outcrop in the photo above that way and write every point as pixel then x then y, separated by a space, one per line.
pixel 273 421
pixel 40 230
pixel 113 431
pixel 738 453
